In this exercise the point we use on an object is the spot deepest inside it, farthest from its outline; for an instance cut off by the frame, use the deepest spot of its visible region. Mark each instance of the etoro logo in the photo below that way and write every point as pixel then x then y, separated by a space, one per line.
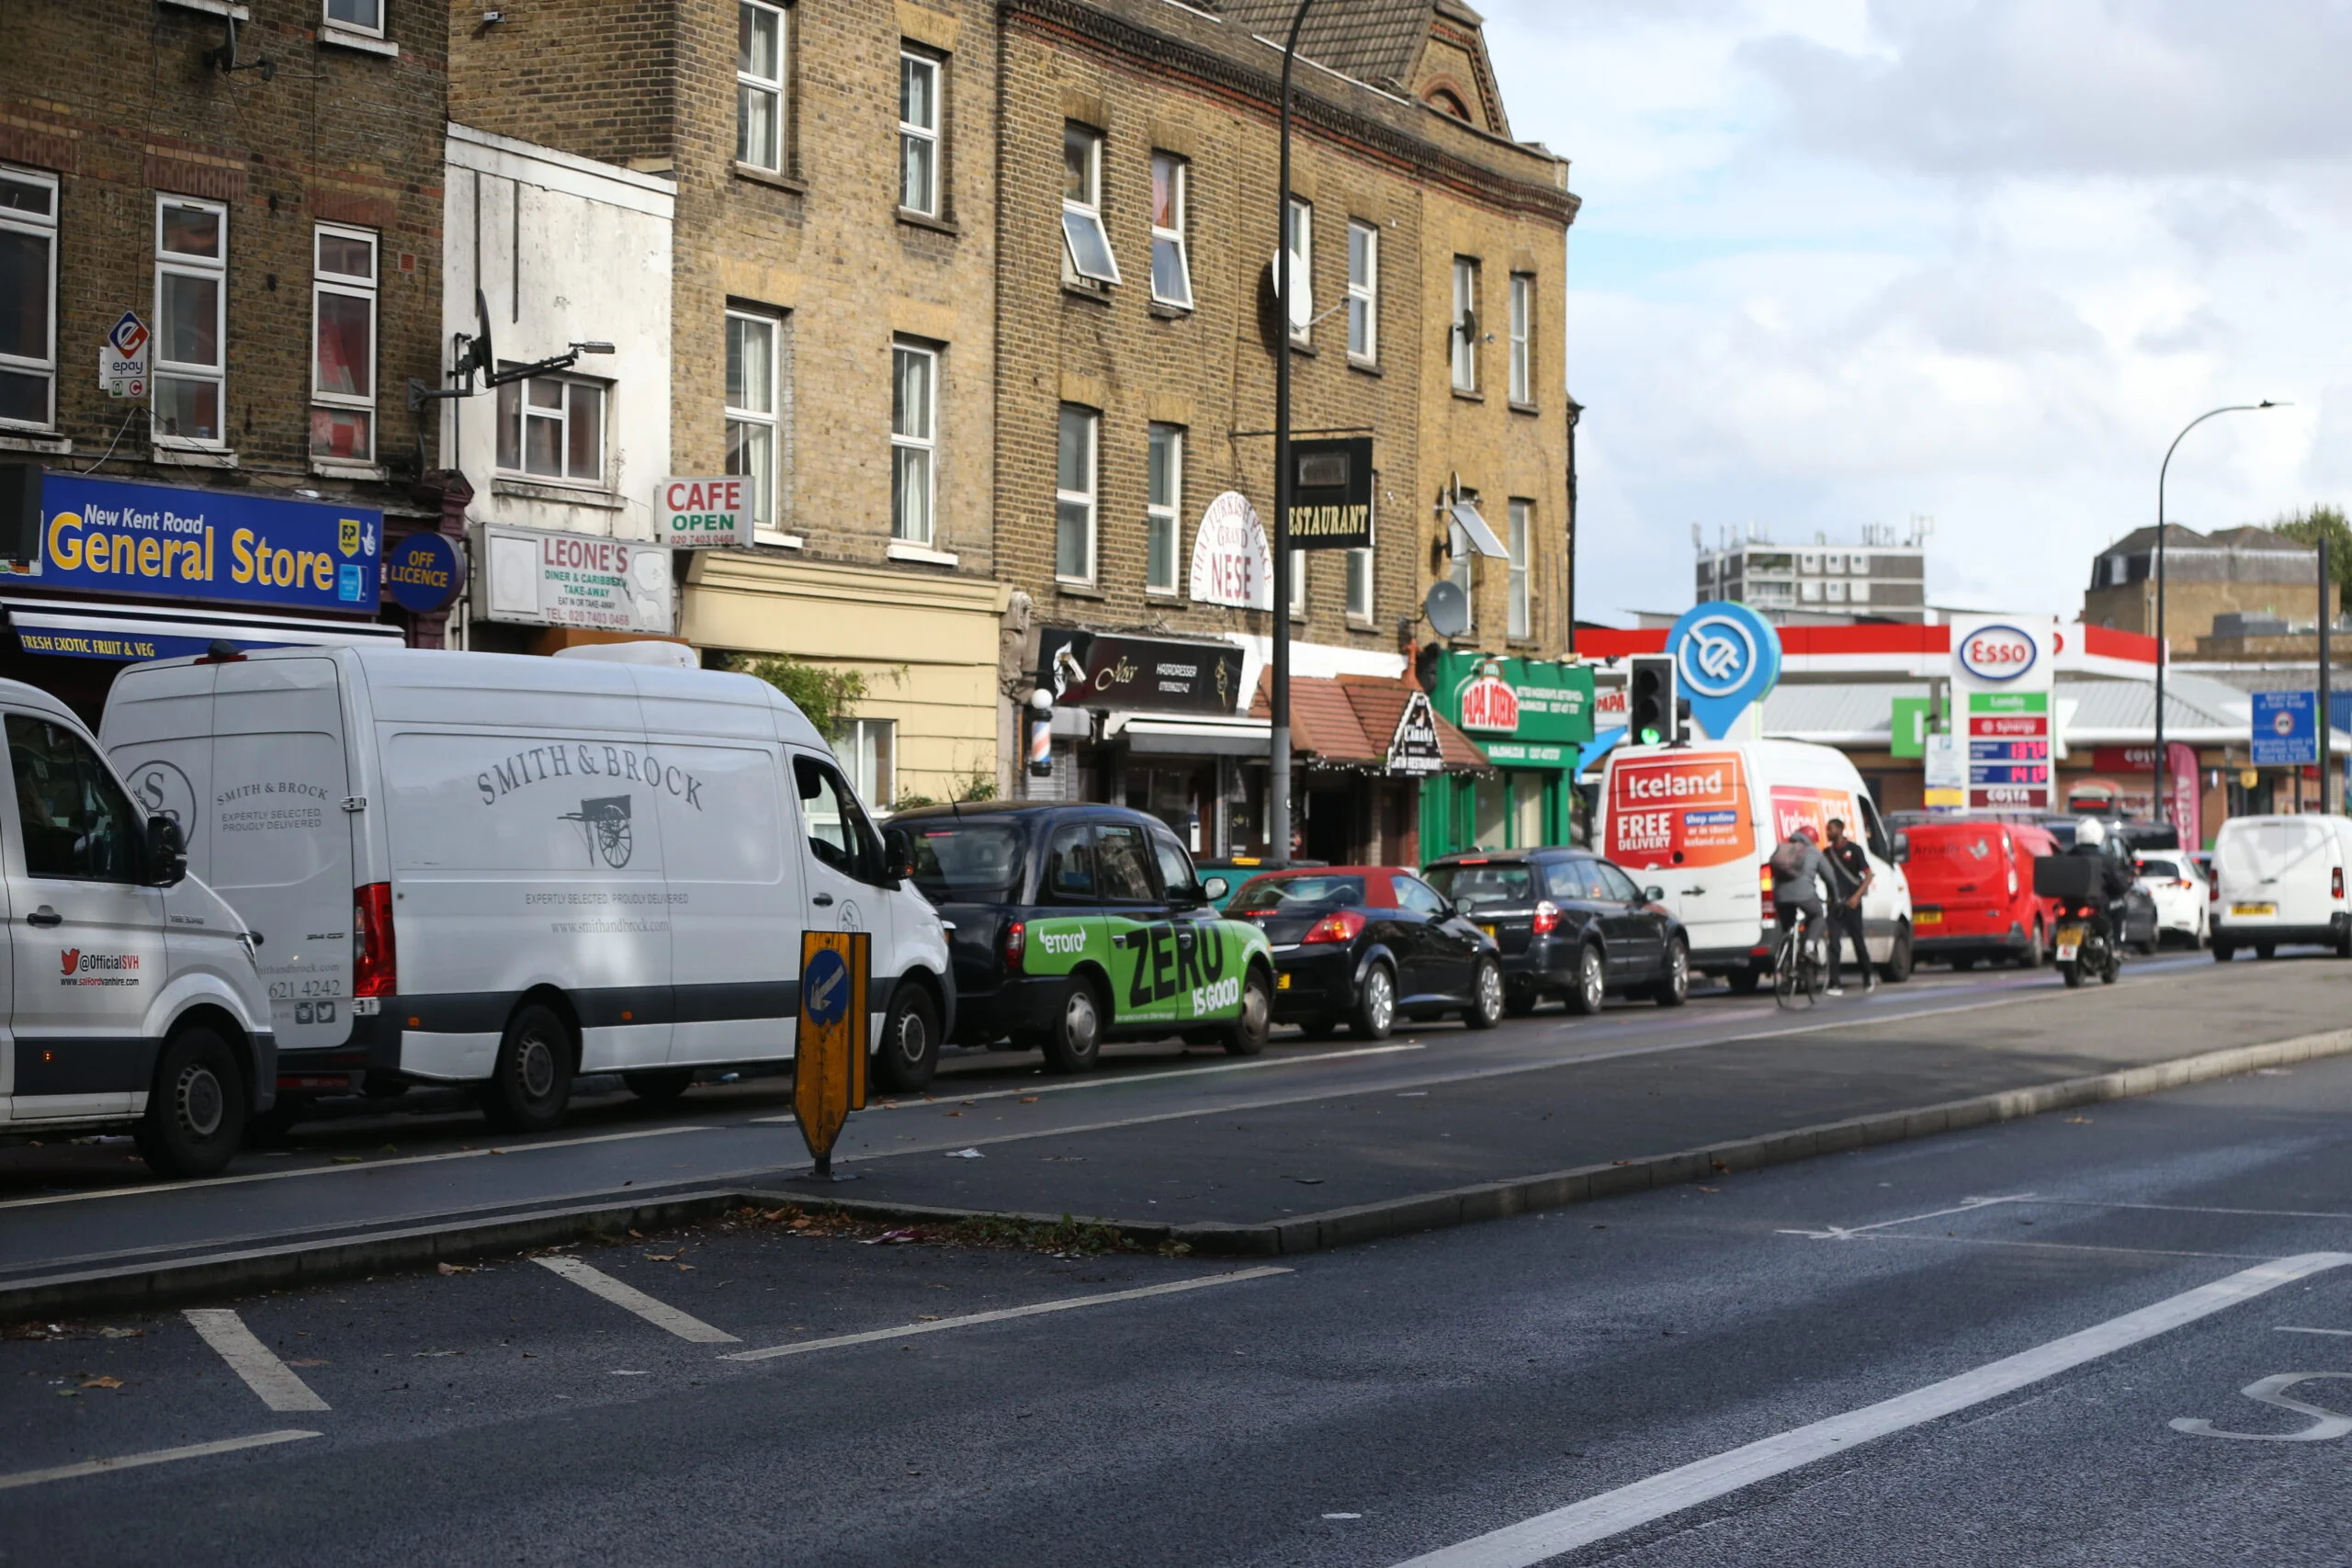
pixel 97 968
pixel 1062 941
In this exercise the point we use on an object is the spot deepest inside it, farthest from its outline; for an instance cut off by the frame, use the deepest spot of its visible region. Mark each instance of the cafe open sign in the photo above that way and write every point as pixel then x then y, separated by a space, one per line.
pixel 704 513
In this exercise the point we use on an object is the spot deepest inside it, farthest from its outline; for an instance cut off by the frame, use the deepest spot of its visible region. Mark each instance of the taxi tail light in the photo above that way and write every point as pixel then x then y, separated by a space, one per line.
pixel 1016 944
pixel 1339 925
pixel 1547 917
pixel 375 964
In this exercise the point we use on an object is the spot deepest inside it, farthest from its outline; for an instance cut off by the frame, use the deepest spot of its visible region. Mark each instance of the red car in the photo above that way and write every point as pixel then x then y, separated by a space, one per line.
pixel 1972 892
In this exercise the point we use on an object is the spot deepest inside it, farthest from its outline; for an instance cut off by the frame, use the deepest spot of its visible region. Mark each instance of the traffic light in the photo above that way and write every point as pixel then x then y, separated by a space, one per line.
pixel 1650 701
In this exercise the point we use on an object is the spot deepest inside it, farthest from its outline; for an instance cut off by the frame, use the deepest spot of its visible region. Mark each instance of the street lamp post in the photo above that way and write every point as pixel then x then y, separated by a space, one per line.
pixel 2164 644
pixel 1278 750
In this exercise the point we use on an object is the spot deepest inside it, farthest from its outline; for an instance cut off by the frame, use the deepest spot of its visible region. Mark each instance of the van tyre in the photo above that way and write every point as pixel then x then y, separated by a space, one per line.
pixel 1590 988
pixel 1073 1039
pixel 2223 953
pixel 1246 1035
pixel 2036 950
pixel 2265 950
pixel 1486 1008
pixel 1375 1010
pixel 662 1087
pixel 196 1106
pixel 910 1051
pixel 532 1083
pixel 1897 967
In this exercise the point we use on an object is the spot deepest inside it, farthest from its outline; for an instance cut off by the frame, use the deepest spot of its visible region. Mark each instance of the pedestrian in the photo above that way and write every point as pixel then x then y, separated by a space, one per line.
pixel 1849 873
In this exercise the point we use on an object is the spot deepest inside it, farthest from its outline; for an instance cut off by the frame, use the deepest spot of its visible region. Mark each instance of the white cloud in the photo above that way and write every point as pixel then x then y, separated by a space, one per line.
pixel 1840 264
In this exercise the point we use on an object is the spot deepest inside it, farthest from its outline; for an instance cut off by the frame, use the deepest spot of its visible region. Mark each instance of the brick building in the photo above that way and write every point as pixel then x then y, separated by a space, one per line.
pixel 258 184
pixel 2241 571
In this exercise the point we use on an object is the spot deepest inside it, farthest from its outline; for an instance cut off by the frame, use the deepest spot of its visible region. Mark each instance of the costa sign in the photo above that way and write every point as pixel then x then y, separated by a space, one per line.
pixel 1998 653
pixel 1488 702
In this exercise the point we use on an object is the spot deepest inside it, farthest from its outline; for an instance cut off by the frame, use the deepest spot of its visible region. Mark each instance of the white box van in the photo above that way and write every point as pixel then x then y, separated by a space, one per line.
pixel 132 993
pixel 502 871
pixel 2280 879
pixel 1701 821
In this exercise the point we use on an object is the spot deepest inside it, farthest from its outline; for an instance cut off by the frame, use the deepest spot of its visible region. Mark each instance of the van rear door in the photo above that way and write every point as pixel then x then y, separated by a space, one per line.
pixel 1686 820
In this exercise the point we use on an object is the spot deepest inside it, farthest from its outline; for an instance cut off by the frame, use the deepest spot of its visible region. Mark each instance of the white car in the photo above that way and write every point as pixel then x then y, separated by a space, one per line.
pixel 2180 893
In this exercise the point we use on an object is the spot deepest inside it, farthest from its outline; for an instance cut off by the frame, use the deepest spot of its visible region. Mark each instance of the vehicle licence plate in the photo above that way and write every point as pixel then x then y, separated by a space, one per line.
pixel 1491 936
pixel 1927 917
pixel 2069 941
pixel 1282 982
pixel 2242 909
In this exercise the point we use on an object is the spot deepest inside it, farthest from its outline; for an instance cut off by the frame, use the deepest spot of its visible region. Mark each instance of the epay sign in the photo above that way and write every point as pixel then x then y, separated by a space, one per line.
pixel 704 513
pixel 123 357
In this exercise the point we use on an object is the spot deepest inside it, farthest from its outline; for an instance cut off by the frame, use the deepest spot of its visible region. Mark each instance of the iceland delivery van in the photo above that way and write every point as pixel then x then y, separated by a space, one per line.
pixel 1701 820
pixel 503 871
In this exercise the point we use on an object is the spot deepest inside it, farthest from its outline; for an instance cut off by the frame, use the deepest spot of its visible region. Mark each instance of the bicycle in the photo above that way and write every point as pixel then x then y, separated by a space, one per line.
pixel 1796 965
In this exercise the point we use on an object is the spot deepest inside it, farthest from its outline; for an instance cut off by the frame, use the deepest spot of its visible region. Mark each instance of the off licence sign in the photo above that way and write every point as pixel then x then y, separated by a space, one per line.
pixel 2009 749
pixel 704 513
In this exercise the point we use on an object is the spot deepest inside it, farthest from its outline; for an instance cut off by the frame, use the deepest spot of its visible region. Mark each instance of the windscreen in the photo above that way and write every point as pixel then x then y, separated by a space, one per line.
pixel 1275 895
pixel 2164 869
pixel 967 863
pixel 1484 886
pixel 2253 851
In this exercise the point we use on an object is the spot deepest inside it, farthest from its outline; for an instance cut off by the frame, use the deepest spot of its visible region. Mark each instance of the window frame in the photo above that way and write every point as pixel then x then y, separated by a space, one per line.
pixel 1090 211
pixel 771 484
pixel 328 18
pixel 93 779
pixel 1088 498
pixel 1298 599
pixel 926 443
pixel 1364 292
pixel 881 761
pixel 344 286
pixel 1520 609
pixel 1462 334
pixel 1362 567
pixel 1180 186
pixel 776 86
pixel 524 413
pixel 177 263
pixel 1462 570
pixel 935 133
pixel 1300 222
pixel 1523 339
pixel 52 229
pixel 1167 515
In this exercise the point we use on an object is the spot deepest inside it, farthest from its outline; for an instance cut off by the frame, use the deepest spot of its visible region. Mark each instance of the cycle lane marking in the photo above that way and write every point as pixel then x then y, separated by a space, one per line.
pixel 154 1456
pixel 659 1313
pixel 279 1386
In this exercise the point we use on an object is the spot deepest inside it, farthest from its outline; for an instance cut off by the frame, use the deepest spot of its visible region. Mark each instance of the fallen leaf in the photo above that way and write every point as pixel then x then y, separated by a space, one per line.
pixel 968 1102
pixel 927 1317
pixel 343 1159
pixel 1028 1099
pixel 661 1257
pixel 1710 1189
pixel 121 1333
pixel 103 1383
pixel 964 1154
pixel 954 1114
pixel 2078 1119
pixel 69 1393
pixel 637 1235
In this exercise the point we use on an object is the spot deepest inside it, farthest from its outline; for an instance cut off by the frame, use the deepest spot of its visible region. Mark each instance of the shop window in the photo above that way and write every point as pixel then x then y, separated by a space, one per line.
pixel 754 447
pixel 1164 507
pixel 29 204
pixel 1086 247
pixel 1301 237
pixel 919 117
pixel 1521 617
pixel 552 428
pixel 871 749
pixel 1526 809
pixel 1363 293
pixel 759 45
pixel 914 398
pixel 1074 494
pixel 343 338
pixel 1463 336
pixel 357 16
pixel 1522 338
pixel 191 321
pixel 1172 268
pixel 1490 813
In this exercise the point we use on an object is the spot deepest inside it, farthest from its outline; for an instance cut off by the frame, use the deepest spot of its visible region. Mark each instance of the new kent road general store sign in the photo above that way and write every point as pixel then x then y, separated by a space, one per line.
pixel 1522 712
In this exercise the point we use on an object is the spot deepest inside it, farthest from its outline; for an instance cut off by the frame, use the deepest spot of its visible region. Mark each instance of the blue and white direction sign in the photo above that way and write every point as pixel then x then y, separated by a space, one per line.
pixel 1726 658
pixel 2286 730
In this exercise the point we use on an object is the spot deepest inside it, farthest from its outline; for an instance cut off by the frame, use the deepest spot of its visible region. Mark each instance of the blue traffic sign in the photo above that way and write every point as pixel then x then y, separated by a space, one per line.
pixel 825 987
pixel 1725 657
pixel 2286 730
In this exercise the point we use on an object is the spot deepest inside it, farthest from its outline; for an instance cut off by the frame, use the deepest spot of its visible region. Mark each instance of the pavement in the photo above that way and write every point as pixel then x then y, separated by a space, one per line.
pixel 2121 1336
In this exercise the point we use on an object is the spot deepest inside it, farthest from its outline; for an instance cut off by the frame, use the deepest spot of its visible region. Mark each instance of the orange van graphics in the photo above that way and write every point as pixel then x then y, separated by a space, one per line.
pixel 1682 810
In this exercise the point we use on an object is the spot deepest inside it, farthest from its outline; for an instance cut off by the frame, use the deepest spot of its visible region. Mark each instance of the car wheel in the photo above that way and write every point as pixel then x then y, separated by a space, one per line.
pixel 662 1087
pixel 2344 945
pixel 196 1106
pixel 909 1050
pixel 2263 950
pixel 1073 1040
pixel 1675 990
pixel 1486 1008
pixel 1375 1012
pixel 2036 950
pixel 1898 968
pixel 2223 953
pixel 1246 1035
pixel 531 1083
pixel 1591 986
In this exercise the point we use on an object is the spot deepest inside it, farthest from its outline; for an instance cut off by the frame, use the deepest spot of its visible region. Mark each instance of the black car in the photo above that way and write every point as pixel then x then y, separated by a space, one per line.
pixel 1359 944
pixel 1070 925
pixel 1571 924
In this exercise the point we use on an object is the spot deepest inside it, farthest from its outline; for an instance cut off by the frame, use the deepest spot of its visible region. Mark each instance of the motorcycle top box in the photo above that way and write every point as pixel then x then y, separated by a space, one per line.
pixel 2073 877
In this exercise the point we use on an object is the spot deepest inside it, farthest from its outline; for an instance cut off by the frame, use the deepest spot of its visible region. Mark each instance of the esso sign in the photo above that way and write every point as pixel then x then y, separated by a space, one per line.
pixel 1998 653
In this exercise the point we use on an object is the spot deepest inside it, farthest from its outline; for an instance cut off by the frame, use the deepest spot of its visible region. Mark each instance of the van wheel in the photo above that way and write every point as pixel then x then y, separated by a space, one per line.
pixel 910 1051
pixel 2223 953
pixel 1897 967
pixel 2035 950
pixel 1073 1039
pixel 2265 950
pixel 532 1082
pixel 196 1108
pixel 662 1087
pixel 1246 1035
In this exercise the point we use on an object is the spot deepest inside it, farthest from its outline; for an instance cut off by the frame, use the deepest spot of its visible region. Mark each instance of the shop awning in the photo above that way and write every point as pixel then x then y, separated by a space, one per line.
pixel 1350 721
pixel 1173 736
pixel 99 629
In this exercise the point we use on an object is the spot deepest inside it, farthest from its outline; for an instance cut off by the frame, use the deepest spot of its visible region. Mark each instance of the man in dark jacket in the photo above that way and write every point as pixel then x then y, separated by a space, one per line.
pixel 1849 876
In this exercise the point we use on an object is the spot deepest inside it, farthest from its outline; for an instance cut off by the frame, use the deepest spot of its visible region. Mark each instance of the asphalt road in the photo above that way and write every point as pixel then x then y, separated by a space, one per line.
pixel 2022 1314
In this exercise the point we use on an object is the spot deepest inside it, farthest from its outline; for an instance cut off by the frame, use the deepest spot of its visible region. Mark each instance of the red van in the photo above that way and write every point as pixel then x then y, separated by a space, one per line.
pixel 1972 892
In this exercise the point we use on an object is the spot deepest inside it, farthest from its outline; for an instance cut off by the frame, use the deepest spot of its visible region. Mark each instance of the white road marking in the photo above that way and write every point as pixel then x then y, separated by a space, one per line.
pixel 341 1169
pixel 250 1360
pixel 2291 1328
pixel 597 1282
pixel 1002 1315
pixel 1614 1513
pixel 155 1456
pixel 1965 1206
pixel 2325 1427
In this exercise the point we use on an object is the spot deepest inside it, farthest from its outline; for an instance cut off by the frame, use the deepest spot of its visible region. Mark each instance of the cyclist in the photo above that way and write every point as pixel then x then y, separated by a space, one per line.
pixel 1849 876
pixel 1797 872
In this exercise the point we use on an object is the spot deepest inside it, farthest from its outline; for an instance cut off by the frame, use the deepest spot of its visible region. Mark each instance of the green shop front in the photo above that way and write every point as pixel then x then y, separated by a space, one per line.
pixel 1532 717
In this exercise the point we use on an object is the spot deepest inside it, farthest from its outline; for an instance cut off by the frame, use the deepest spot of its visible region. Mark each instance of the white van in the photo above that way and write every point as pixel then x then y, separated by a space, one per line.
pixel 132 996
pixel 2278 880
pixel 502 871
pixel 1701 821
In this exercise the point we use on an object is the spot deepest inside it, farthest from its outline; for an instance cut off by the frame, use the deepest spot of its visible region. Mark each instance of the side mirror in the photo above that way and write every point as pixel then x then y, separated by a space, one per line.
pixel 166 852
pixel 1902 846
pixel 897 854
pixel 1654 893
pixel 1215 889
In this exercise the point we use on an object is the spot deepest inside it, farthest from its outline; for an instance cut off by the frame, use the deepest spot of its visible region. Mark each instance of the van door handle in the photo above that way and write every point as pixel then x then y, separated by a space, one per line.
pixel 44 916
pixel 822 900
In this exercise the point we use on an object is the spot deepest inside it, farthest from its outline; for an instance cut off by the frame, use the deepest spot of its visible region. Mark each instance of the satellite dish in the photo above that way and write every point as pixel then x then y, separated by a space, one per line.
pixel 479 355
pixel 1301 305
pixel 1448 609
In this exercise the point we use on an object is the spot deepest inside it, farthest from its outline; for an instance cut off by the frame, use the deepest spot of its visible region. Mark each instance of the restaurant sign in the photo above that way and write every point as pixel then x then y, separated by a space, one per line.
pixel 1525 712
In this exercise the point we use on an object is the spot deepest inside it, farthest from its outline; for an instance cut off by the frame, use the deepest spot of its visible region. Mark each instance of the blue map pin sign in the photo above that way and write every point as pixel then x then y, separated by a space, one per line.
pixel 1726 658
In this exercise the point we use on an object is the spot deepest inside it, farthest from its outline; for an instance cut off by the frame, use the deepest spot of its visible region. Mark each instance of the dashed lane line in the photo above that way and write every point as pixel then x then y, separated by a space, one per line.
pixel 277 1384
pixel 597 1282
pixel 1614 1513
pixel 154 1456
pixel 1002 1315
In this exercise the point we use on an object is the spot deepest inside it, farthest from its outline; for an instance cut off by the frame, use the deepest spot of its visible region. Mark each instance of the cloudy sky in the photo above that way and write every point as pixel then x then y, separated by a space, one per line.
pixel 1843 263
